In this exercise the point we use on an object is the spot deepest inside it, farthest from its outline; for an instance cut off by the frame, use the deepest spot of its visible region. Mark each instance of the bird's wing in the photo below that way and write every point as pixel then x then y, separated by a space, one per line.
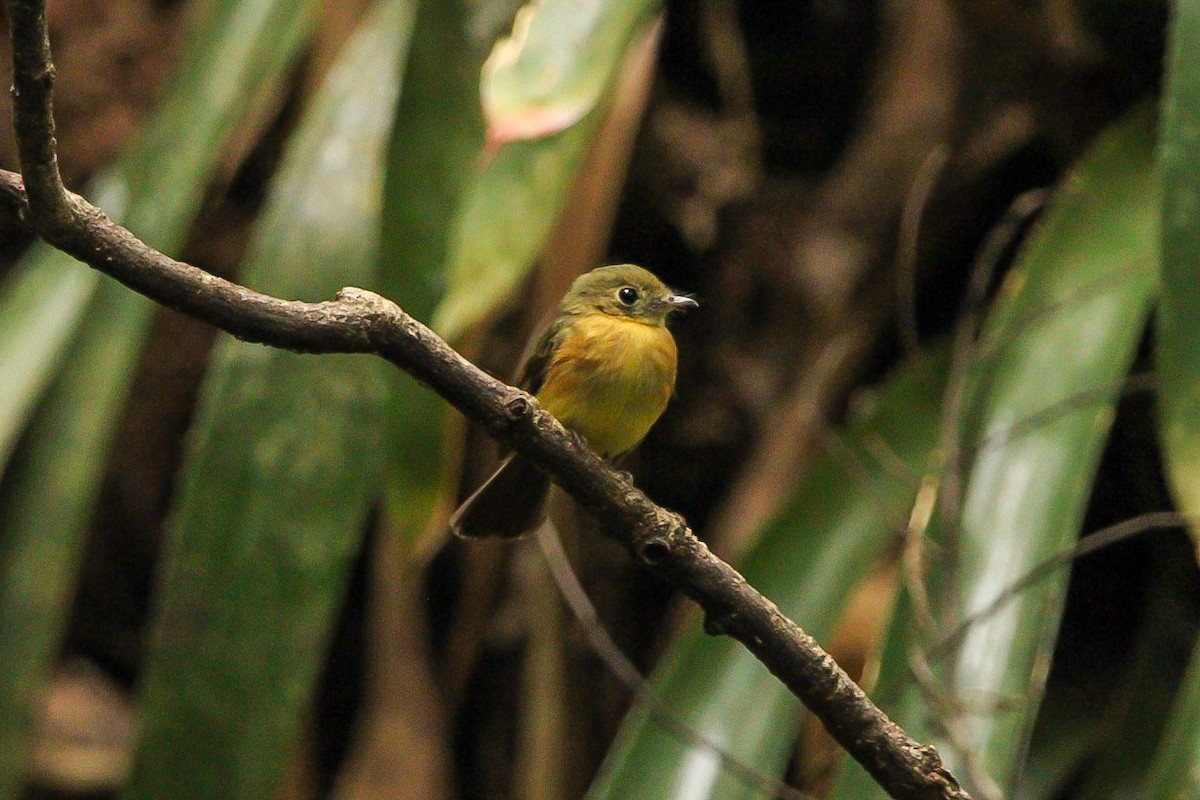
pixel 533 372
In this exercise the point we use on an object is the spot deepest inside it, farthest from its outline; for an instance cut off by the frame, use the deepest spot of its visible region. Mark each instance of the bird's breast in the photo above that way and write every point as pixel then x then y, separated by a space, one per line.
pixel 610 379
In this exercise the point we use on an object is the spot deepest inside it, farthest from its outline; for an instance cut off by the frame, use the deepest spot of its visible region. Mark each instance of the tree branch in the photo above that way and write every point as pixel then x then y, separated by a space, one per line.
pixel 358 321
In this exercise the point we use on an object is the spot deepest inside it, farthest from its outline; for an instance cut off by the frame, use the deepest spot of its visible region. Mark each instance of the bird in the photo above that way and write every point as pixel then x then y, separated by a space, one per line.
pixel 605 368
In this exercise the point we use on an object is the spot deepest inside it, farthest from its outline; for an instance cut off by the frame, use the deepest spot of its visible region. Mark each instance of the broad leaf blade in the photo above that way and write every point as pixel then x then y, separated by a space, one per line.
pixel 516 199
pixel 1175 769
pixel 1178 316
pixel 285 459
pixel 557 64
pixel 39 309
pixel 506 216
pixel 237 47
pixel 1173 772
pixel 1062 335
pixel 435 141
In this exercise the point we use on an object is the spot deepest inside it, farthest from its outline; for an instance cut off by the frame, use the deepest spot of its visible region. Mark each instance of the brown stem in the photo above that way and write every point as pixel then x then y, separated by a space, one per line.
pixel 358 321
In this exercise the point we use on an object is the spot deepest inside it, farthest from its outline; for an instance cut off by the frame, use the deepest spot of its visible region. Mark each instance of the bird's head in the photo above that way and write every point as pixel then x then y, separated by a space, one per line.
pixel 625 290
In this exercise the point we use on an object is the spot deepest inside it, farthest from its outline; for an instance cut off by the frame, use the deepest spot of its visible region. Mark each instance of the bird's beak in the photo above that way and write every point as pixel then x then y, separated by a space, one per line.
pixel 679 302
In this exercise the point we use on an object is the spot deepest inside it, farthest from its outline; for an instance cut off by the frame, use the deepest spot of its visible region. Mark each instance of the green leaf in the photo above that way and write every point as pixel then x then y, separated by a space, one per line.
pixel 1062 334
pixel 512 206
pixel 95 336
pixel 435 140
pixel 39 309
pixel 1175 769
pixel 1173 772
pixel 809 559
pixel 1178 350
pixel 284 461
pixel 43 517
pixel 506 217
pixel 557 64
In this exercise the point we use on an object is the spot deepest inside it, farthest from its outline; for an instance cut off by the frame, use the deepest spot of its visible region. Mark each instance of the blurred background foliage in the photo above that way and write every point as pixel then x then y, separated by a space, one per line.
pixel 939 402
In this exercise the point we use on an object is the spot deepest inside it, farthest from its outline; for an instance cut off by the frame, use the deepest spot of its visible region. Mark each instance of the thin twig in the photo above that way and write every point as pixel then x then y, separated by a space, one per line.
pixel 624 670
pixel 1000 239
pixel 1018 326
pixel 908 240
pixel 1001 435
pixel 946 707
pixel 1092 543
pixel 358 321
pixel 949 711
pixel 942 487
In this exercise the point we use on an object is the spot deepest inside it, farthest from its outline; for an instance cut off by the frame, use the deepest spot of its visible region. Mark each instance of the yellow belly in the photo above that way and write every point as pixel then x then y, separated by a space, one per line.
pixel 610 379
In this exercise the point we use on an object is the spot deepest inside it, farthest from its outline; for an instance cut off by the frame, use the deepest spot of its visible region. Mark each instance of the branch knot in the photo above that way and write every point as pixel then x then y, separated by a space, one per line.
pixel 518 406
pixel 717 623
pixel 653 550
pixel 367 302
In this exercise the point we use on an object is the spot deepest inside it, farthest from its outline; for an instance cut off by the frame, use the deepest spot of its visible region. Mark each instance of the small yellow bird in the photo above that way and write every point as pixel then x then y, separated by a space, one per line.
pixel 605 368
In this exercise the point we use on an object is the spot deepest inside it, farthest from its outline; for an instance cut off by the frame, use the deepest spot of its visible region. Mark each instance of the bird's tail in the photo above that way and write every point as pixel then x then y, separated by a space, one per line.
pixel 509 504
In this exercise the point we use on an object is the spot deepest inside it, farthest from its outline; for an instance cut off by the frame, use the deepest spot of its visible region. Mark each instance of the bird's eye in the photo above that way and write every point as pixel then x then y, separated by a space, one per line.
pixel 628 295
